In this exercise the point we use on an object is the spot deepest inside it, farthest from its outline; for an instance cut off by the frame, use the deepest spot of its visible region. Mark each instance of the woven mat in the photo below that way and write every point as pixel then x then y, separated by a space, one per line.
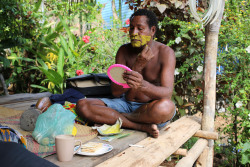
pixel 11 118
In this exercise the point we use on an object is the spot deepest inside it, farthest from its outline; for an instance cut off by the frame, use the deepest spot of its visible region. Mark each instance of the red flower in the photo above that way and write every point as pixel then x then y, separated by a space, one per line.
pixel 127 21
pixel 79 72
pixel 90 32
pixel 86 39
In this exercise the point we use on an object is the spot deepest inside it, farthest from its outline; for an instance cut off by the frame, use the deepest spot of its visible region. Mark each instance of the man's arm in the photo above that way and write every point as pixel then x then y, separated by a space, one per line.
pixel 118 90
pixel 136 81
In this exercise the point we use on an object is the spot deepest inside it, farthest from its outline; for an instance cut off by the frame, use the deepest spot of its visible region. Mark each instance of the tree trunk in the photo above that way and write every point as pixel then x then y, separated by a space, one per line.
pixel 4 85
pixel 211 46
pixel 114 10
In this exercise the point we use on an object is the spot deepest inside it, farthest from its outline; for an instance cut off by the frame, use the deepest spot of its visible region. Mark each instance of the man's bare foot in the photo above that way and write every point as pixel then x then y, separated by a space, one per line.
pixel 152 129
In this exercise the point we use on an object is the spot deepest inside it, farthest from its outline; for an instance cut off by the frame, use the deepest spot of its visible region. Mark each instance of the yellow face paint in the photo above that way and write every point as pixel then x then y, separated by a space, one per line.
pixel 139 40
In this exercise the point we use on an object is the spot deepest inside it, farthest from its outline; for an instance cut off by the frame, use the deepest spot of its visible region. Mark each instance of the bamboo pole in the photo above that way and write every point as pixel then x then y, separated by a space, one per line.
pixel 211 46
pixel 181 151
pixel 193 154
pixel 201 161
pixel 206 134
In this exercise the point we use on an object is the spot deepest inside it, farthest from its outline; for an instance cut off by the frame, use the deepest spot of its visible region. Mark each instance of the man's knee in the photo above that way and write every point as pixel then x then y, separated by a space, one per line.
pixel 82 107
pixel 164 108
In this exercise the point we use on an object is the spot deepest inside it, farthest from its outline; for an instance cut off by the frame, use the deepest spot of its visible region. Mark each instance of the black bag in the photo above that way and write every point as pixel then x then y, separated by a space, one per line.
pixel 91 85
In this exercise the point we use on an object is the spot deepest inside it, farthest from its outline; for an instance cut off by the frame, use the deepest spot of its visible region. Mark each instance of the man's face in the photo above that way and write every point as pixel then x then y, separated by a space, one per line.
pixel 140 33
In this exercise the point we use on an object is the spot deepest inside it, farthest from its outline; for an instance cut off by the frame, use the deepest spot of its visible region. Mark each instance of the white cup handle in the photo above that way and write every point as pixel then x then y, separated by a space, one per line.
pixel 80 145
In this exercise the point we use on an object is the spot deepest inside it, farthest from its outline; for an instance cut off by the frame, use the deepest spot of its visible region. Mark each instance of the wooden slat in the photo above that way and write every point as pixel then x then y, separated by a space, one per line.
pixel 22 97
pixel 20 105
pixel 176 134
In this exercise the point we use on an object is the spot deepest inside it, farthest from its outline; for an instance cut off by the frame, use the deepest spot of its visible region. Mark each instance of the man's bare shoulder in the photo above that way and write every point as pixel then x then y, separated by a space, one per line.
pixel 165 51
pixel 125 46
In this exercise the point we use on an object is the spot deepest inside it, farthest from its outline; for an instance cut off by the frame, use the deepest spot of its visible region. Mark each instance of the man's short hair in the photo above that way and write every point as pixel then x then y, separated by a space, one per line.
pixel 152 19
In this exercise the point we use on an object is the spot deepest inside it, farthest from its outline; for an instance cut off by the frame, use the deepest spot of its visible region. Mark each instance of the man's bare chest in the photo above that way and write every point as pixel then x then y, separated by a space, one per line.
pixel 151 71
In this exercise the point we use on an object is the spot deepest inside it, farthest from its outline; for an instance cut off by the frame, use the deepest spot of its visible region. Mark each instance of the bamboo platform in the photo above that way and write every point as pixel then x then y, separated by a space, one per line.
pixel 153 153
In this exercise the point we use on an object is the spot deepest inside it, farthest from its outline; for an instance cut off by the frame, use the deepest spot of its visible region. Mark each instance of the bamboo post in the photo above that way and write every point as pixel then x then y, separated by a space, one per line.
pixel 193 154
pixel 211 46
pixel 206 134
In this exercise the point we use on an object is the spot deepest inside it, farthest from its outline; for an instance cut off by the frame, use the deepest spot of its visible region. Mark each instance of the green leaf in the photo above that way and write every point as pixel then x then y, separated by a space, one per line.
pixel 245 159
pixel 246 146
pixel 55 47
pixel 60 62
pixel 52 75
pixel 65 26
pixel 40 87
pixel 182 112
pixel 41 62
pixel 179 100
pixel 59 27
pixel 74 53
pixel 51 37
pixel 75 40
pixel 186 36
pixel 63 43
pixel 178 54
pixel 71 45
pixel 37 5
pixel 66 49
pixel 42 56
pixel 6 62
pixel 191 49
pixel 20 58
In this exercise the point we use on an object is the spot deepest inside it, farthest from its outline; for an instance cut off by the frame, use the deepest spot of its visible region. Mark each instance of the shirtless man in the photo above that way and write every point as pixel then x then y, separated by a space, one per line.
pixel 146 105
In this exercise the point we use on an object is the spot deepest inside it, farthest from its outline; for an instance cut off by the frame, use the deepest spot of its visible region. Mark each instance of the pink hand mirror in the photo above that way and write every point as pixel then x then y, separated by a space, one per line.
pixel 115 73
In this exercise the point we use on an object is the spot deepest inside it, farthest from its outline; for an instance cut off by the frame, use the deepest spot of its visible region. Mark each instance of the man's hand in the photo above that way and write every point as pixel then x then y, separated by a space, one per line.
pixel 142 59
pixel 134 79
pixel 146 54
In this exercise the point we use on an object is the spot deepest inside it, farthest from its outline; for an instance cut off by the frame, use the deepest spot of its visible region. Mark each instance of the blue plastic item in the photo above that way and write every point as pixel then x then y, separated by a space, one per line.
pixel 55 121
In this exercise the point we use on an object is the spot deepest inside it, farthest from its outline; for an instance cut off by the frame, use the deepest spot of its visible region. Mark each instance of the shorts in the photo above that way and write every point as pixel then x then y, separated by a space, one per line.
pixel 123 106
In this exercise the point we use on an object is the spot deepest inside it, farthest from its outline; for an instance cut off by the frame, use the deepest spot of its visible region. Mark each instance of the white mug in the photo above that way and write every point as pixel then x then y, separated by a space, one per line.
pixel 65 145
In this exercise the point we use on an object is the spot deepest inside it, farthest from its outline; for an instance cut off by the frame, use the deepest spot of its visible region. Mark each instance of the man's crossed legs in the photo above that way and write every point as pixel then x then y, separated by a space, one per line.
pixel 145 117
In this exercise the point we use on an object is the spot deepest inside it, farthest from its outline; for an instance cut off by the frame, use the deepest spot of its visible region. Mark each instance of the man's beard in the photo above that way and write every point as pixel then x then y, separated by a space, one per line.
pixel 138 41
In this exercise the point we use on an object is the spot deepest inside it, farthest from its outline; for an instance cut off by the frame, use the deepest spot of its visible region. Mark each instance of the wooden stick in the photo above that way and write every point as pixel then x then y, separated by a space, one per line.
pixel 181 151
pixel 201 161
pixel 193 154
pixel 206 134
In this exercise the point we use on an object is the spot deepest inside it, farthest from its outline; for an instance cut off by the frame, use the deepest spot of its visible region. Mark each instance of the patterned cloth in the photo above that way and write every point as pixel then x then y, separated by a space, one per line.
pixel 8 134
pixel 72 108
